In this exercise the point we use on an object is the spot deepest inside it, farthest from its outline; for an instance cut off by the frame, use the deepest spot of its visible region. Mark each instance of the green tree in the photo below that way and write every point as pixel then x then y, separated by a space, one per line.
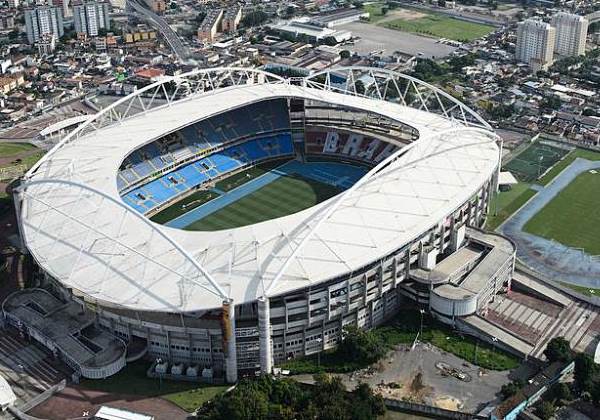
pixel 545 410
pixel 345 54
pixel 551 102
pixel 511 388
pixel 365 404
pixel 558 350
pixel 255 18
pixel 562 392
pixel 359 344
pixel 585 370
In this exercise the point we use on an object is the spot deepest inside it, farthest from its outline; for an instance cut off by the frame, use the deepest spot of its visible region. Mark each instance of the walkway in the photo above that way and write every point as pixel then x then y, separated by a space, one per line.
pixel 550 258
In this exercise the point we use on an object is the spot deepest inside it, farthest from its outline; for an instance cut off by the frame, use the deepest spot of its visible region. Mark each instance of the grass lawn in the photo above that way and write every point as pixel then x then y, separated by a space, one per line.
pixel 528 165
pixel 374 10
pixel 508 202
pixel 402 330
pixel 14 149
pixel 588 291
pixel 573 216
pixel 132 380
pixel 441 26
pixel 183 206
pixel 285 195
pixel 558 168
pixel 241 178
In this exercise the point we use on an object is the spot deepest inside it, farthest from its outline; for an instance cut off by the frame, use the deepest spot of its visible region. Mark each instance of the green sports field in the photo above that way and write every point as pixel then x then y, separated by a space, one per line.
pixel 441 26
pixel 534 161
pixel 573 216
pixel 183 206
pixel 285 195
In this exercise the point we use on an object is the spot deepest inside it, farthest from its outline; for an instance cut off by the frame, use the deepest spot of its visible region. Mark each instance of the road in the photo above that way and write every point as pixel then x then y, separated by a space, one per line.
pixel 180 50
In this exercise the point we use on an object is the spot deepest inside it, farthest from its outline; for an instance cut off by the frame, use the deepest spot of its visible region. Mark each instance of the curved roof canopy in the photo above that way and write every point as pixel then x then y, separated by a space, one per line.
pixel 78 229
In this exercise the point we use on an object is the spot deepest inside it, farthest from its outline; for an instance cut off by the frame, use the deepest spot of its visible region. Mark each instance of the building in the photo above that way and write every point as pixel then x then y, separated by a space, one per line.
pixel 43 20
pixel 535 44
pixel 7 20
pixel 340 17
pixel 10 83
pixel 14 4
pixel 210 26
pixel 231 19
pixel 239 300
pixel 158 6
pixel 305 29
pixel 571 33
pixel 46 45
pixel 89 17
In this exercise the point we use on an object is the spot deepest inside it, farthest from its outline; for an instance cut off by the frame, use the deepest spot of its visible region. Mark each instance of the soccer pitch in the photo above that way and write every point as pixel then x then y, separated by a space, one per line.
pixel 534 161
pixel 573 216
pixel 286 195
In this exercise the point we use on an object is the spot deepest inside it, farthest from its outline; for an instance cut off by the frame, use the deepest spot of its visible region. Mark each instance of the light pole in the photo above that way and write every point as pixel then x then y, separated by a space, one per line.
pixel 158 362
pixel 320 341
pixel 422 311
pixel 494 340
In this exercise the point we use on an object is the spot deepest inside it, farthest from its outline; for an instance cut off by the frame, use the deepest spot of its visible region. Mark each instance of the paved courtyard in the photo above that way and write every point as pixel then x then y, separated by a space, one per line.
pixel 376 38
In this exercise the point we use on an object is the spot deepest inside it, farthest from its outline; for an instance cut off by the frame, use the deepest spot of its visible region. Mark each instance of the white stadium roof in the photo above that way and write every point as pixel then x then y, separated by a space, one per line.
pixel 78 229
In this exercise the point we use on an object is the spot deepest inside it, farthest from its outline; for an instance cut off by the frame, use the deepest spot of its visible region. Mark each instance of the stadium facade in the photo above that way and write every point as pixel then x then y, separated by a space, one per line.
pixel 237 300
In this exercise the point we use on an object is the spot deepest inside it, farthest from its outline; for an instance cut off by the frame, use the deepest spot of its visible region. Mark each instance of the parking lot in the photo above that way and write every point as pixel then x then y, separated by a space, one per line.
pixel 375 38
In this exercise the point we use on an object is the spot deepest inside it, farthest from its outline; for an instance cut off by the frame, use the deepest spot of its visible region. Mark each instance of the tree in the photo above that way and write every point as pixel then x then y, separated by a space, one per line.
pixel 359 86
pixel 345 54
pixel 363 345
pixel 256 18
pixel 365 404
pixel 551 102
pixel 562 392
pixel 585 370
pixel 545 410
pixel 558 350
pixel 511 388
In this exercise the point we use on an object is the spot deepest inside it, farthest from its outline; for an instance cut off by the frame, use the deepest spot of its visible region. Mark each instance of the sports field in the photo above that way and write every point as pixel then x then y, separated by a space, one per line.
pixel 286 195
pixel 260 193
pixel 573 216
pixel 441 26
pixel 534 161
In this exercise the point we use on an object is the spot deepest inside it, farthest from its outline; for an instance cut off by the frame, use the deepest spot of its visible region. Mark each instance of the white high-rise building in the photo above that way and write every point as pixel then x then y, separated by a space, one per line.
pixel 89 17
pixel 535 44
pixel 43 20
pixel 571 32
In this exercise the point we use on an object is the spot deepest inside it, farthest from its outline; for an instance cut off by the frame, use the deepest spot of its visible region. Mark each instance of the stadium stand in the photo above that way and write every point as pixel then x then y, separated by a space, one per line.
pixel 203 137
pixel 165 188
pixel 347 145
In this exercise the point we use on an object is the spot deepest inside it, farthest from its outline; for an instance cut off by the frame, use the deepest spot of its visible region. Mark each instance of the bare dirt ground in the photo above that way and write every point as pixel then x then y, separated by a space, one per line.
pixel 74 401
pixel 405 14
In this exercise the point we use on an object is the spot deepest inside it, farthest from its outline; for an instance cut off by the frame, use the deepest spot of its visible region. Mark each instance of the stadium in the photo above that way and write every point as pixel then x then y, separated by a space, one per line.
pixel 230 219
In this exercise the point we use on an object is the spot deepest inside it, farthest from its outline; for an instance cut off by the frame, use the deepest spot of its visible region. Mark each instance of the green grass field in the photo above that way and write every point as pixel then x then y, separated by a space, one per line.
pixel 441 26
pixel 508 202
pixel 241 178
pixel 132 380
pixel 588 291
pixel 285 195
pixel 14 149
pixel 534 161
pixel 560 166
pixel 183 206
pixel 573 216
